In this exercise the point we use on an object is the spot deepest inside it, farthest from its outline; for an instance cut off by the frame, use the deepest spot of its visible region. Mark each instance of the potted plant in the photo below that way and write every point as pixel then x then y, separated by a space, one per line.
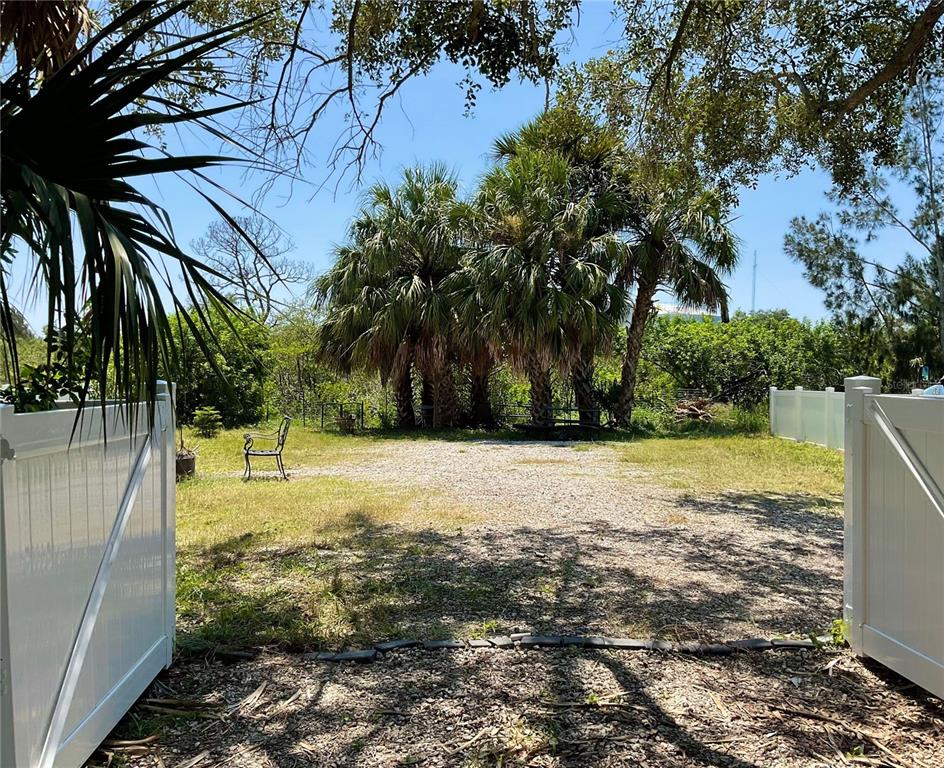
pixel 186 460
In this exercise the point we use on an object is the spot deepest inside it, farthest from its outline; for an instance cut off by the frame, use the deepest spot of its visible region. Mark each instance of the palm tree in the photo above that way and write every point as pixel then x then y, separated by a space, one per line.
pixel 539 271
pixel 43 35
pixel 98 246
pixel 387 297
pixel 353 292
pixel 597 174
pixel 681 244
pixel 475 350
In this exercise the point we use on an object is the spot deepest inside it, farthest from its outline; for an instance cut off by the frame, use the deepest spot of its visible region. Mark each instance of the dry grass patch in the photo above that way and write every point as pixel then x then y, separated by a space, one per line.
pixel 301 512
pixel 740 465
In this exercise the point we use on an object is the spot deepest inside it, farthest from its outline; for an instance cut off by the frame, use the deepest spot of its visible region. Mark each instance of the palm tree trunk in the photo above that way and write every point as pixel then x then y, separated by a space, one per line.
pixel 480 400
pixel 444 399
pixel 634 335
pixel 426 401
pixel 403 395
pixel 542 399
pixel 582 381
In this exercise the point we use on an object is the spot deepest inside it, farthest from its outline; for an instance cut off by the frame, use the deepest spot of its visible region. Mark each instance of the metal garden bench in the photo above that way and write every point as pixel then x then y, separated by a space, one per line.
pixel 277 437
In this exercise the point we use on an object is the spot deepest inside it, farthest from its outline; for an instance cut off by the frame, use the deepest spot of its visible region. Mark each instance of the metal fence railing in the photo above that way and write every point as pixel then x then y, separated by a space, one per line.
pixel 517 413
pixel 330 414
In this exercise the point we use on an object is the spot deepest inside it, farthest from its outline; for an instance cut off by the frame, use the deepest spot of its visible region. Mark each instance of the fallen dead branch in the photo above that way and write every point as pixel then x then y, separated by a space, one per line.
pixel 196 760
pixel 252 700
pixel 466 744
pixel 182 712
pixel 117 743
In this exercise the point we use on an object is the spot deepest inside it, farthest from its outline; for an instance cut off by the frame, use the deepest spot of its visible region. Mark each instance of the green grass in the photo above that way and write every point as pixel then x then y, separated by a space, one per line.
pixel 745 464
pixel 298 564
pixel 304 447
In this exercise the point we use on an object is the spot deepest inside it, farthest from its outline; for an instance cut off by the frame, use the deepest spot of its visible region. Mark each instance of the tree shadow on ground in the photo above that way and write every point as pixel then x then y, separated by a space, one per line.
pixel 369 581
pixel 513 708
pixel 818 516
pixel 365 581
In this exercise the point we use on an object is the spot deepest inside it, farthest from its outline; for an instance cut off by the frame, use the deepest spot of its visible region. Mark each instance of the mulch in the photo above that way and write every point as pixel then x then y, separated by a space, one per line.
pixel 547 707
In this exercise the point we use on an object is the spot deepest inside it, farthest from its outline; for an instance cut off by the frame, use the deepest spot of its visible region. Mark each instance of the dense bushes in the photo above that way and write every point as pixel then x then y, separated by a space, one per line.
pixel 738 362
pixel 231 378
pixel 276 370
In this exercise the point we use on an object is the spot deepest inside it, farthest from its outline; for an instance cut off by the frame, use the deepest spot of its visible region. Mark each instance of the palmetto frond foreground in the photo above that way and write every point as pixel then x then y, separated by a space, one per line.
pixel 100 250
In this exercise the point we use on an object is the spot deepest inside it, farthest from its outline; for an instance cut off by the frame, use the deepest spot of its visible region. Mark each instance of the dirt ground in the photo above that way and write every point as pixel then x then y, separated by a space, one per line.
pixel 618 553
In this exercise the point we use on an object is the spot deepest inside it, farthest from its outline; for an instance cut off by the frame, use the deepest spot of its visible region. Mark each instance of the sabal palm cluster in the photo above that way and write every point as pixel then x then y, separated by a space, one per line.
pixel 553 252
pixel 539 271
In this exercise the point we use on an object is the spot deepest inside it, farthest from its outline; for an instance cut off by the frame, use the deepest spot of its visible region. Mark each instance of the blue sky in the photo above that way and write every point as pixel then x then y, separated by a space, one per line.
pixel 426 123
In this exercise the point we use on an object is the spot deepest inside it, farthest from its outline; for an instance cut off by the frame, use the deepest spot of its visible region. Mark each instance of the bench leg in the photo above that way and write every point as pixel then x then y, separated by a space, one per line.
pixel 278 460
pixel 247 472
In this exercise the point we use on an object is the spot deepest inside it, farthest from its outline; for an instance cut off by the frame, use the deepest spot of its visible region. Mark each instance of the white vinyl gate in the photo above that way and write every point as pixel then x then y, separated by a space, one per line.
pixel 86 575
pixel 894 535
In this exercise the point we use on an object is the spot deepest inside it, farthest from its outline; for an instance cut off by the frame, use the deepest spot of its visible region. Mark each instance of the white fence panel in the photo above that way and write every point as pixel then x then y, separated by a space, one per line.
pixel 807 416
pixel 894 538
pixel 87 575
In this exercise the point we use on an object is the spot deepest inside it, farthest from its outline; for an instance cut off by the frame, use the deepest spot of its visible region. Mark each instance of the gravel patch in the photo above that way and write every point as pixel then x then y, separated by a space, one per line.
pixel 618 553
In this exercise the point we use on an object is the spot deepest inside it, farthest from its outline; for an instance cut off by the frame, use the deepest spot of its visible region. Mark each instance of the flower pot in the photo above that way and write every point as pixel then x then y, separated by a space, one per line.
pixel 186 465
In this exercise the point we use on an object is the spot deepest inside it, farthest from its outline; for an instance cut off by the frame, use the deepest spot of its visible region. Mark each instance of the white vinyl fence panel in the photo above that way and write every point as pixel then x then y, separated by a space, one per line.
pixel 894 530
pixel 807 416
pixel 86 575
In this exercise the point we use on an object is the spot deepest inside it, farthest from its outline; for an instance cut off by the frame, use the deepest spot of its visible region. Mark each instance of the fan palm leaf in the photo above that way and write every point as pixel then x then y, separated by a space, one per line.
pixel 43 33
pixel 540 270
pixel 387 298
pixel 110 272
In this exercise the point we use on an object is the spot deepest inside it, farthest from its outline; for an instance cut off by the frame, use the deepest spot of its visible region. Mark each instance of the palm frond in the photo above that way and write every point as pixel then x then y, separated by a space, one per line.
pixel 111 277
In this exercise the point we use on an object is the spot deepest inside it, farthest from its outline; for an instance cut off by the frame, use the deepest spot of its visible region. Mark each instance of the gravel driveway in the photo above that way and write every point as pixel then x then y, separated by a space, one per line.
pixel 586 542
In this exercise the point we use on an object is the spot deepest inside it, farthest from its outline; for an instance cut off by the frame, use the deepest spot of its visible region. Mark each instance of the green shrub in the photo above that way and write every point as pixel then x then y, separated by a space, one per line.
pixel 233 382
pixel 740 419
pixel 755 419
pixel 650 421
pixel 207 421
pixel 739 361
